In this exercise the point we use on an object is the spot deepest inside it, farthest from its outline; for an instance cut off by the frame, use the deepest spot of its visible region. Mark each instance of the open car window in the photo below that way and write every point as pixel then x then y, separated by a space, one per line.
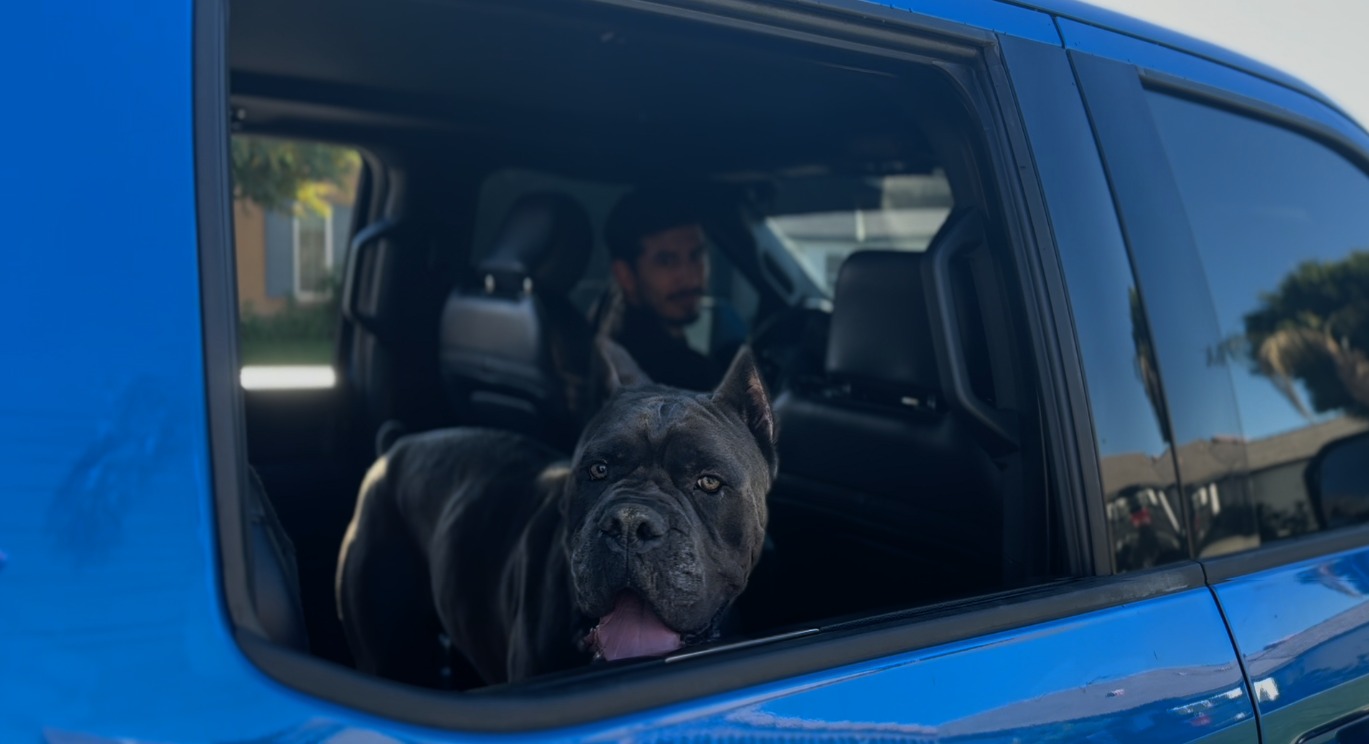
pixel 823 219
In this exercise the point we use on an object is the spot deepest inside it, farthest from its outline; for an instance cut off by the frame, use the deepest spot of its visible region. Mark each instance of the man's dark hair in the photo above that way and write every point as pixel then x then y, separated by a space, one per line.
pixel 648 211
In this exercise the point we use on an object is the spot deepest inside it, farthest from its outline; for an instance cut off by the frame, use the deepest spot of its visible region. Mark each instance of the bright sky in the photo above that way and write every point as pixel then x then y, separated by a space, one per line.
pixel 1320 41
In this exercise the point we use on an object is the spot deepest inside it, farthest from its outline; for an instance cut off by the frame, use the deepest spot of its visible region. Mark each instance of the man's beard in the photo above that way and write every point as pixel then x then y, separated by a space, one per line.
pixel 689 317
pixel 683 321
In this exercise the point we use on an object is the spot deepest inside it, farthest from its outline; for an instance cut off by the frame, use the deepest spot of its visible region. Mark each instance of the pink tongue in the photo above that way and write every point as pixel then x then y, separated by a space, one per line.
pixel 631 629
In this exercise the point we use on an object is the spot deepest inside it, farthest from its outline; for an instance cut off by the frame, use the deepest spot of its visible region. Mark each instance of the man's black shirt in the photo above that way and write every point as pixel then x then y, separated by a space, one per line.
pixel 666 359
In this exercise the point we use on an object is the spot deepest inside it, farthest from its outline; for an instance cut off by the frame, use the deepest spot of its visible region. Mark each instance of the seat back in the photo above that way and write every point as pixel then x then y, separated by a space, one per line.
pixel 916 499
pixel 515 353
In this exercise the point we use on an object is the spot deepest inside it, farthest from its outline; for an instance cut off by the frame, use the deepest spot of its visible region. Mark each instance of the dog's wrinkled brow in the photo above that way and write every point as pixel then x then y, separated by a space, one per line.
pixel 656 419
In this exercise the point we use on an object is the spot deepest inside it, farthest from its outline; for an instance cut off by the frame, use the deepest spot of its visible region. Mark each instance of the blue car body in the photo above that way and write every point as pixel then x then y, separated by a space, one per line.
pixel 114 624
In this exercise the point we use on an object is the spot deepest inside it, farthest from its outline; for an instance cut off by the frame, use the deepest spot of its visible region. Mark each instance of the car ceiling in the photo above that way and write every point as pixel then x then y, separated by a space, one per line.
pixel 578 87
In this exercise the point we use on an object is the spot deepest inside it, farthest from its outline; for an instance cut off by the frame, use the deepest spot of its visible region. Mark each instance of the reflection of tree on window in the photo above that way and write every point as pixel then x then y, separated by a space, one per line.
pixel 1314 329
pixel 1276 216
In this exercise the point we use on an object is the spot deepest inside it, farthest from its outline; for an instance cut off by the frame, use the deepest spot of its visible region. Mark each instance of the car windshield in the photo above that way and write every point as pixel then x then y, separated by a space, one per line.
pixel 821 221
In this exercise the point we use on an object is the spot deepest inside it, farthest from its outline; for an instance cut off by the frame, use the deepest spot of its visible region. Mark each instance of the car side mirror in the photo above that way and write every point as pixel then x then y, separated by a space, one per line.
pixel 1338 481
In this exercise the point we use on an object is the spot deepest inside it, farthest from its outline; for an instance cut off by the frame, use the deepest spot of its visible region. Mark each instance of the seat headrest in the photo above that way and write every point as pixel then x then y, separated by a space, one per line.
pixel 546 237
pixel 881 333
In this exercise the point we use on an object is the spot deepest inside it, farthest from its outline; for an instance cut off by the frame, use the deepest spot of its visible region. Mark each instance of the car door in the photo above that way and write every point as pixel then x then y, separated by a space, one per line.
pixel 1243 200
pixel 1092 656
pixel 124 612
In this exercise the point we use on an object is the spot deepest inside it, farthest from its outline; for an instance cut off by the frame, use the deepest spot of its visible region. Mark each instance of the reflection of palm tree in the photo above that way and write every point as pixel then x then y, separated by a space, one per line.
pixel 1314 329
pixel 1287 351
pixel 1348 576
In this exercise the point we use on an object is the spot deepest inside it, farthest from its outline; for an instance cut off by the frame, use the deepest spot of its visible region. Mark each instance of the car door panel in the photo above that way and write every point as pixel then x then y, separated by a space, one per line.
pixel 1145 687
pixel 1296 609
pixel 133 642
pixel 1119 674
pixel 1303 630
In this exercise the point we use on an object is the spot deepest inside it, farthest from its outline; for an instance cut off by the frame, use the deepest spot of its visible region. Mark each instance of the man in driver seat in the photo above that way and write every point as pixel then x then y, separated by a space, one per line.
pixel 660 264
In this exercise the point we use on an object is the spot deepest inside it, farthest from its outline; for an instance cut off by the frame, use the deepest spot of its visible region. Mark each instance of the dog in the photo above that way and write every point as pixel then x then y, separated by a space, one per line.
pixel 528 564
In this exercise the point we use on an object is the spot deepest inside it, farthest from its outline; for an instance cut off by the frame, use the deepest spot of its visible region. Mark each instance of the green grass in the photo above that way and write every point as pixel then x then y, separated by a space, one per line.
pixel 284 351
pixel 296 334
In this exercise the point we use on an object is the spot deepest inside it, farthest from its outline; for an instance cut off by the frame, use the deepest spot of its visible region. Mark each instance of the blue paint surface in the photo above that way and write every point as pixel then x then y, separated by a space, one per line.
pixel 1003 18
pixel 1302 629
pixel 1117 675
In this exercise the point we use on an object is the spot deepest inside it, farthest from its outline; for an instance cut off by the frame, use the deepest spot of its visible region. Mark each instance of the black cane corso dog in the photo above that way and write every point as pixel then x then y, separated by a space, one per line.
pixel 529 565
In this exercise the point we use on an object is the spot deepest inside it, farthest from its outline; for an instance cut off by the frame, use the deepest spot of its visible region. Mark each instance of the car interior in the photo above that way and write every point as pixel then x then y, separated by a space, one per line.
pixel 857 242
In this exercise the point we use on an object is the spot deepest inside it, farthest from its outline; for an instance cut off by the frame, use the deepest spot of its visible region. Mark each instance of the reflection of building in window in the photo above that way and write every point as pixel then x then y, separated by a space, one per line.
pixel 1242 492
pixel 313 253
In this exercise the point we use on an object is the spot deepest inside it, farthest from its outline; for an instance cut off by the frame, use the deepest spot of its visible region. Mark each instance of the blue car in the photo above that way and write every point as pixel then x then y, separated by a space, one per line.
pixel 1064 319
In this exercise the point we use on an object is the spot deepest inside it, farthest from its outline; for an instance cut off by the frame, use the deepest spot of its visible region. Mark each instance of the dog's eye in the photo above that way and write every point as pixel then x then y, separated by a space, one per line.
pixel 598 471
pixel 710 483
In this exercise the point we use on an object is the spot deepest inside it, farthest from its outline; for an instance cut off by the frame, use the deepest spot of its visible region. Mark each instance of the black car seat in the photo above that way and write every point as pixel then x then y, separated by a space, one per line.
pixel 874 464
pixel 515 352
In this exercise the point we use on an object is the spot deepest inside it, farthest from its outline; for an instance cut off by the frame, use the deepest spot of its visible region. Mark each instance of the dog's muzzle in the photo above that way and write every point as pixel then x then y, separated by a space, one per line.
pixel 629 543
pixel 633 528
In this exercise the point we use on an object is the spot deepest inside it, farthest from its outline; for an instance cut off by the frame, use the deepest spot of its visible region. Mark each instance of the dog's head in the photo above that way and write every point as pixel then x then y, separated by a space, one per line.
pixel 665 511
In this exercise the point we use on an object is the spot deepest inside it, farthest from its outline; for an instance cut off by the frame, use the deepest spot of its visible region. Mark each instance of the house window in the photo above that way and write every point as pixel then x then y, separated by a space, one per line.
pixel 313 252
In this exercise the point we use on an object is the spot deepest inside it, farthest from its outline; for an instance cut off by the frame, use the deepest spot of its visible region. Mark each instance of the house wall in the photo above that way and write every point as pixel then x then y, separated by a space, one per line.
pixel 265 245
pixel 249 230
pixel 280 255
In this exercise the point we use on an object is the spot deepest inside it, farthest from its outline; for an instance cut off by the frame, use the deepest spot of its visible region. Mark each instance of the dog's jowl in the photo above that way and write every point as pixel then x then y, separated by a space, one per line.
pixel 529 564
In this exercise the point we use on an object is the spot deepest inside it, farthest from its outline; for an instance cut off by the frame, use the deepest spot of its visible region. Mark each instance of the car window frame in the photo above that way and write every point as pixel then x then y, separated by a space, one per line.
pixel 1053 120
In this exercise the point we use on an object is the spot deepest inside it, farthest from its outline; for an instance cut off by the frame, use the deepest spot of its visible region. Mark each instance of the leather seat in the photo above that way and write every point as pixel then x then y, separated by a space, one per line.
pixel 874 445
pixel 515 353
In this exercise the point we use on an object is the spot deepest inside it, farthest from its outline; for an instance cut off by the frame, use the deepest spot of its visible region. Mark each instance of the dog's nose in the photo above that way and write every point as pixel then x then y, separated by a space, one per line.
pixel 633 526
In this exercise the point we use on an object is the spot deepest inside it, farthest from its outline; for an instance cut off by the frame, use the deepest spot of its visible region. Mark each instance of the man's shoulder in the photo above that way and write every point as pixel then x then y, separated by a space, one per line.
pixel 671 361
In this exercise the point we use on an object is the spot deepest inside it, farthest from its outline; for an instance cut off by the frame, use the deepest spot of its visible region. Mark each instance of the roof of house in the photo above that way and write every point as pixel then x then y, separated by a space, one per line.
pixel 1208 460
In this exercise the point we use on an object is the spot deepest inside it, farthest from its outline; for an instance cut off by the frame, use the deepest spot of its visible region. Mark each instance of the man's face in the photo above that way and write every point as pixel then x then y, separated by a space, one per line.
pixel 669 276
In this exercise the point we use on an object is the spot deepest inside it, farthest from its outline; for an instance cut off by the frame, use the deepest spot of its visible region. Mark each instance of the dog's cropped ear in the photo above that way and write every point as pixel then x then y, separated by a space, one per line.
pixel 620 369
pixel 743 390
